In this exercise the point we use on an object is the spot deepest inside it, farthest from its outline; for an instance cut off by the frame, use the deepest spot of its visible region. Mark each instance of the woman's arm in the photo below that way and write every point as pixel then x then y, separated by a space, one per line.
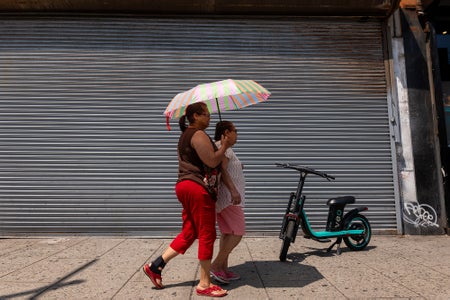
pixel 204 148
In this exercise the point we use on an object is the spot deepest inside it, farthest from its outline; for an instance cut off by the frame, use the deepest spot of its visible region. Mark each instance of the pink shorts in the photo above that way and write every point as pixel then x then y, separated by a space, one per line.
pixel 231 220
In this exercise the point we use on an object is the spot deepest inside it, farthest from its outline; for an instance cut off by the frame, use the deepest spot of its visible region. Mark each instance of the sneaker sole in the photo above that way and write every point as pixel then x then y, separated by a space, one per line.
pixel 218 279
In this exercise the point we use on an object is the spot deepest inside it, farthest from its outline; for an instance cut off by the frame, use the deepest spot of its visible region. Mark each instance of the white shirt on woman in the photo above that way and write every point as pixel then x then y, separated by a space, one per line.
pixel 236 173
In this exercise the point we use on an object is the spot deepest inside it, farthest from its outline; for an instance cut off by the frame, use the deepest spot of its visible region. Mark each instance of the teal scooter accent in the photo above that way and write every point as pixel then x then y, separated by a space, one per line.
pixel 353 228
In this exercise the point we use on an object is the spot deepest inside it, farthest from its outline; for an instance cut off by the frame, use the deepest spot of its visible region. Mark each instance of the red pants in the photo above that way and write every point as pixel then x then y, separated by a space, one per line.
pixel 199 219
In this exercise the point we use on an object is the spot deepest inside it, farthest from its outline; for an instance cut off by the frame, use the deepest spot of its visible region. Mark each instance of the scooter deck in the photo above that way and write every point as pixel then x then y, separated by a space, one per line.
pixel 316 239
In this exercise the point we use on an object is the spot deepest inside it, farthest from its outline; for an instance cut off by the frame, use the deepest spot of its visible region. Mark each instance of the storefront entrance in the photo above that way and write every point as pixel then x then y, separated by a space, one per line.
pixel 84 146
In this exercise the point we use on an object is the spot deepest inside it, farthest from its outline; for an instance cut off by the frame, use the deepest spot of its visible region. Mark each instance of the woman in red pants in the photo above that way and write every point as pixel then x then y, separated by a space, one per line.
pixel 196 189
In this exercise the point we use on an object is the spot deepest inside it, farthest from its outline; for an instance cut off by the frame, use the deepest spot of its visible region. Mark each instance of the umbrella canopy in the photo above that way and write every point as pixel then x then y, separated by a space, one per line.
pixel 220 95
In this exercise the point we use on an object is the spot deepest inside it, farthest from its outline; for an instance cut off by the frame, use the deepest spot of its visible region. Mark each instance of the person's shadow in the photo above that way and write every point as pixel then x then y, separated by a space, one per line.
pixel 262 274
pixel 274 273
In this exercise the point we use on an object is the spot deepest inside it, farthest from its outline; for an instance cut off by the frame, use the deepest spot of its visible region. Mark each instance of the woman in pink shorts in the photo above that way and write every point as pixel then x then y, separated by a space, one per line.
pixel 229 208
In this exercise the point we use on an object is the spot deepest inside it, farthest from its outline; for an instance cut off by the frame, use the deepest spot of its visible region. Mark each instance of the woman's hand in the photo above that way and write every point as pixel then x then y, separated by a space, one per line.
pixel 225 141
pixel 236 198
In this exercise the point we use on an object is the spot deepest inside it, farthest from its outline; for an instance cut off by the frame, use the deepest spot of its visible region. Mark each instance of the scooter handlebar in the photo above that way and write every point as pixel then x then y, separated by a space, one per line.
pixel 306 170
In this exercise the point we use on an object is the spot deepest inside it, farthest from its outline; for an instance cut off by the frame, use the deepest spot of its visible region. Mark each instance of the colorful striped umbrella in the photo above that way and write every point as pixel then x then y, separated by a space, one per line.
pixel 220 95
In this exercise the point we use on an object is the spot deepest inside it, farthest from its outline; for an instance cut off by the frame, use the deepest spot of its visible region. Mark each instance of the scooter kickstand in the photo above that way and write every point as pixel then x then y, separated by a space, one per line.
pixel 338 248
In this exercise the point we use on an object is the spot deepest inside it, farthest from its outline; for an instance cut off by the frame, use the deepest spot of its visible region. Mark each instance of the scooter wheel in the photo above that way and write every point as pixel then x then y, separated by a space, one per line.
pixel 287 240
pixel 358 242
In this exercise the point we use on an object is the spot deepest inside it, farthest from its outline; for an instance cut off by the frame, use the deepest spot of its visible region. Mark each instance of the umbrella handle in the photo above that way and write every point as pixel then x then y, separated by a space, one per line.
pixel 218 110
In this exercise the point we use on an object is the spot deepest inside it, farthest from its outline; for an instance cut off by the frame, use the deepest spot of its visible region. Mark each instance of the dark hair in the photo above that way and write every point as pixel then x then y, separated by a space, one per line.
pixel 195 108
pixel 221 126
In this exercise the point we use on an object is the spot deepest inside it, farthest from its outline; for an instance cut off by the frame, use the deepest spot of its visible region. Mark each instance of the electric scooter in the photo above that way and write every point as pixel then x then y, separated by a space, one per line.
pixel 352 227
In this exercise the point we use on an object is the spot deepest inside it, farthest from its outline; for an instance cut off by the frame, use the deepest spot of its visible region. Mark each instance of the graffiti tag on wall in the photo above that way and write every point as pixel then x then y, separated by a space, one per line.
pixel 419 214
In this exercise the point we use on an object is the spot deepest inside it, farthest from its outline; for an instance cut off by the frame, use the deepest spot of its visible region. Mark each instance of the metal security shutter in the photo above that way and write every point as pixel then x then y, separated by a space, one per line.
pixel 83 143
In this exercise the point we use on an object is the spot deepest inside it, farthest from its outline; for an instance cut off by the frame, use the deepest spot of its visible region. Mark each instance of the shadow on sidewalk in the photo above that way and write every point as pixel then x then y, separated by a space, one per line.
pixel 299 257
pixel 37 292
pixel 262 274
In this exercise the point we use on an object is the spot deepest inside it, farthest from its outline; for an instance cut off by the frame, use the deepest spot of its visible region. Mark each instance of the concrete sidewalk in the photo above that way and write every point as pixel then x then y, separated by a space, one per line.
pixel 409 267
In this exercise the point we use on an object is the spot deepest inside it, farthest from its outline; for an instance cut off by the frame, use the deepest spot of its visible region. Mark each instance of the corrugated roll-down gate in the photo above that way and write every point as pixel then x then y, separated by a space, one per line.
pixel 83 143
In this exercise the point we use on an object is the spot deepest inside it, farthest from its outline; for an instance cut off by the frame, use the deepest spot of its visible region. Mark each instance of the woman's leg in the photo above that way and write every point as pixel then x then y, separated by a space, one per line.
pixel 187 192
pixel 183 240
pixel 169 254
pixel 205 222
pixel 231 223
pixel 153 270
pixel 227 243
